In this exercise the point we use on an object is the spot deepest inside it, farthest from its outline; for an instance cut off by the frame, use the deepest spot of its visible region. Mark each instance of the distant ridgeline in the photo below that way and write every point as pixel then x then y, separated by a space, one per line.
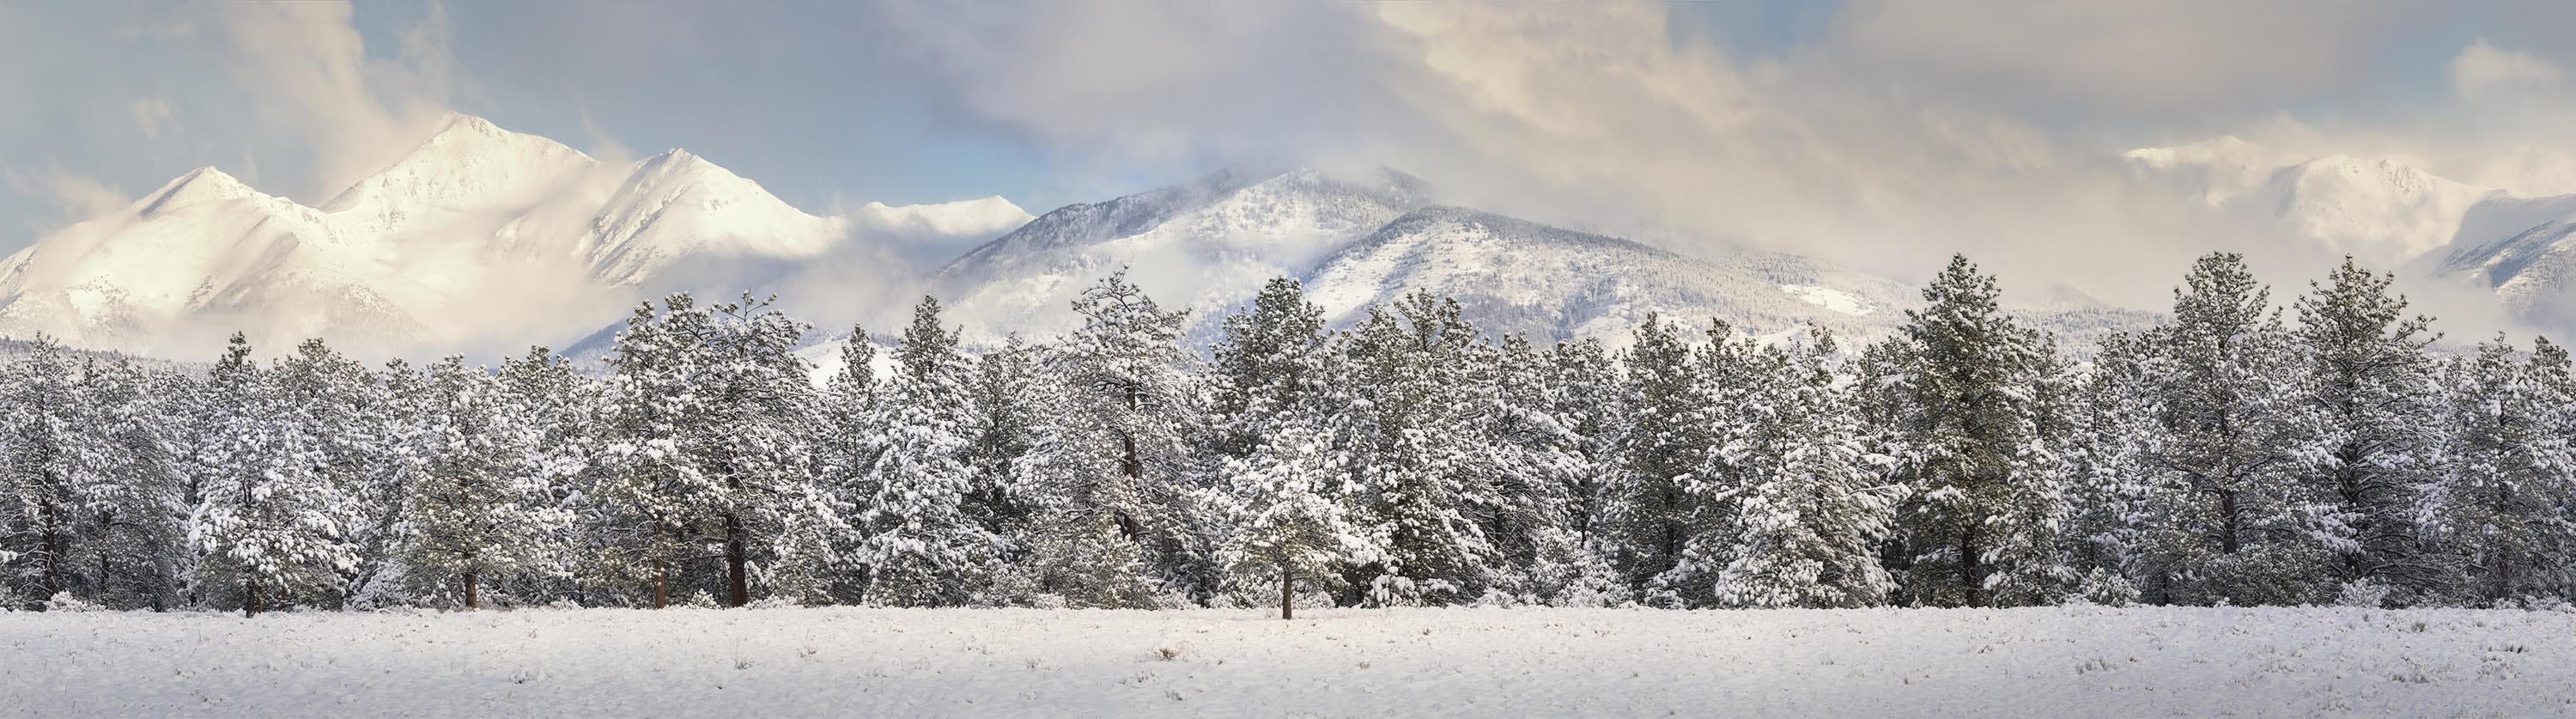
pixel 2244 451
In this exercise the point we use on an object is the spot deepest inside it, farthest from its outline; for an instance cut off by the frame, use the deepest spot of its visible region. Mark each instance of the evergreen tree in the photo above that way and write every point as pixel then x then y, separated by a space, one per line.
pixel 1961 383
pixel 2236 434
pixel 1291 522
pixel 270 521
pixel 480 511
pixel 1117 523
pixel 1649 514
pixel 919 547
pixel 2379 398
pixel 1404 415
pixel 132 548
pixel 1810 515
pixel 46 453
pixel 2503 506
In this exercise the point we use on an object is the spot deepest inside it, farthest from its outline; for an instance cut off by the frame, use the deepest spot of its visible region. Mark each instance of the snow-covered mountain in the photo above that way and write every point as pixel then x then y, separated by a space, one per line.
pixel 2381 211
pixel 2533 272
pixel 1206 245
pixel 1514 276
pixel 2392 215
pixel 479 238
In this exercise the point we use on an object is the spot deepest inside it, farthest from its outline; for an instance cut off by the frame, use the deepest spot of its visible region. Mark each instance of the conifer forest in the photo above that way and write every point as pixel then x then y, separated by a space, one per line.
pixel 2326 446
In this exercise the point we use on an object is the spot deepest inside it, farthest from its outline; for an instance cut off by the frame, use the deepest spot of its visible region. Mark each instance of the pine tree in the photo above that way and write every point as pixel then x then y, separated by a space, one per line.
pixel 342 410
pixel 1963 414
pixel 1649 514
pixel 1291 522
pixel 132 545
pixel 1537 461
pixel 480 511
pixel 2231 519
pixel 2503 507
pixel 847 441
pixel 2379 398
pixel 46 452
pixel 1006 417
pixel 919 546
pixel 1810 515
pixel 709 453
pixel 1117 521
pixel 271 520
pixel 1405 417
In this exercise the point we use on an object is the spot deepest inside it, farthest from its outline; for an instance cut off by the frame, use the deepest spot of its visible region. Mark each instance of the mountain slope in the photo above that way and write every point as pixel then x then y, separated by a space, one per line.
pixel 2532 272
pixel 1205 246
pixel 1514 276
pixel 2381 211
pixel 449 247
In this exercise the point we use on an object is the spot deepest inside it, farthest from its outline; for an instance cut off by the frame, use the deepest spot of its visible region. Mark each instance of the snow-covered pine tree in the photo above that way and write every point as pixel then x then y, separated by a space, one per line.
pixel 648 515
pixel 1648 512
pixel 344 411
pixel 1960 387
pixel 1537 461
pixel 1732 372
pixel 1291 521
pixel 847 441
pixel 2109 485
pixel 482 509
pixel 1280 489
pixel 2379 394
pixel 270 521
pixel 1006 400
pixel 43 454
pixel 2231 515
pixel 1584 394
pixel 768 515
pixel 1118 524
pixel 554 407
pixel 2503 505
pixel 1812 512
pixel 918 545
pixel 133 545
pixel 1404 414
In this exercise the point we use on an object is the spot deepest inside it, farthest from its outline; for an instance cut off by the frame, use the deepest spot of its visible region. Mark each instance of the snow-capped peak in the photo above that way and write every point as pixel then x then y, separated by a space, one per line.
pixel 416 256
pixel 204 184
pixel 470 162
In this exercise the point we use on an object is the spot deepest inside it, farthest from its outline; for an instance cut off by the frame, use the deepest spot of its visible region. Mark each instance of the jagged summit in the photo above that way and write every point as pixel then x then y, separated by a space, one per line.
pixel 442 250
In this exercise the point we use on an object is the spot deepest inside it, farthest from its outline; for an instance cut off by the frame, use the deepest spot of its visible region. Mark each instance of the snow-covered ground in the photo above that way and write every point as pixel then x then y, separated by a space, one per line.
pixel 809 662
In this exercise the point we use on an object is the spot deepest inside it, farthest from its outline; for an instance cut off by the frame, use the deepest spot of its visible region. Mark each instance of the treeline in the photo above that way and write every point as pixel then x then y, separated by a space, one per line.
pixel 2242 453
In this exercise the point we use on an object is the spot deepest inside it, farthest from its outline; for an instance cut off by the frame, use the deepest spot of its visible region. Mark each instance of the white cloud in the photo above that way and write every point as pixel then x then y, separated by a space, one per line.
pixel 74 196
pixel 2483 70
pixel 1606 117
pixel 2135 57
pixel 151 115
pixel 310 71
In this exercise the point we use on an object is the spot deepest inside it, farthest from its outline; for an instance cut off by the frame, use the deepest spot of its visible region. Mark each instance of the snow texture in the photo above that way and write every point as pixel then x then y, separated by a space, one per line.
pixel 2081 661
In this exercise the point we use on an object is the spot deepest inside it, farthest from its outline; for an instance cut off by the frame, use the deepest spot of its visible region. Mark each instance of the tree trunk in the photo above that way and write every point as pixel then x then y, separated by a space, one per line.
pixel 661 572
pixel 1974 585
pixel 1287 592
pixel 250 596
pixel 737 564
pixel 472 578
pixel 2228 521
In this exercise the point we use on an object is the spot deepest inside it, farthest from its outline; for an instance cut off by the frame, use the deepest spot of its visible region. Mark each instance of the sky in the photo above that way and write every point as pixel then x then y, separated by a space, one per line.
pixel 1880 133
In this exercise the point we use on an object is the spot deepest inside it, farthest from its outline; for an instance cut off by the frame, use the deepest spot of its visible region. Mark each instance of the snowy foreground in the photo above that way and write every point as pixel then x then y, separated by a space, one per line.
pixel 695 662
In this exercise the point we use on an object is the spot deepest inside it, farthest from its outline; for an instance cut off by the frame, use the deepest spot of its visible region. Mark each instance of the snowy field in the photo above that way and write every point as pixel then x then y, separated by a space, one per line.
pixel 770 662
